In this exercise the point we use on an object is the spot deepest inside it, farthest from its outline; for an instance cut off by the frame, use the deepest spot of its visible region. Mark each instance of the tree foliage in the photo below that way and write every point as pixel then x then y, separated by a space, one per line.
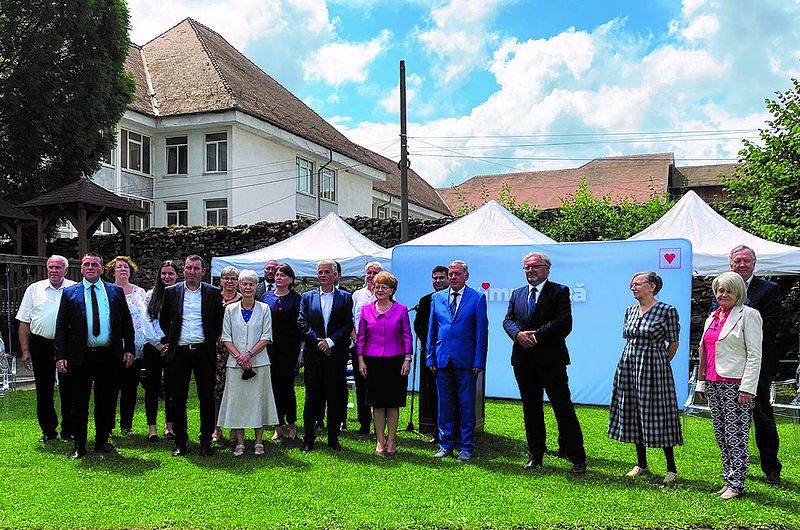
pixel 63 88
pixel 765 189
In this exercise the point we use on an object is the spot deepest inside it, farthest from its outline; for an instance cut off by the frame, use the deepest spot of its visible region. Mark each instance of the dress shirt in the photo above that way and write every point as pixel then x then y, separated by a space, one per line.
pixel 104 338
pixel 39 307
pixel 458 298
pixel 326 302
pixel 152 331
pixel 539 288
pixel 361 298
pixel 192 322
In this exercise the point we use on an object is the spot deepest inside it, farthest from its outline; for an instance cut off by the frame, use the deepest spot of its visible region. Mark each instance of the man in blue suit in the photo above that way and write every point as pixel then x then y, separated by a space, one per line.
pixel 94 337
pixel 326 321
pixel 456 352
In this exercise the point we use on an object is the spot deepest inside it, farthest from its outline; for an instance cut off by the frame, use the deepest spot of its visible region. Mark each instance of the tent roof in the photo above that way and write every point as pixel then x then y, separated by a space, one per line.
pixel 328 238
pixel 713 237
pixel 491 224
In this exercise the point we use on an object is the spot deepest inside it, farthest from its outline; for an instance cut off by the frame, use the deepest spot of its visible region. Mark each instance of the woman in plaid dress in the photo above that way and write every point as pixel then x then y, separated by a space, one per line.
pixel 644 409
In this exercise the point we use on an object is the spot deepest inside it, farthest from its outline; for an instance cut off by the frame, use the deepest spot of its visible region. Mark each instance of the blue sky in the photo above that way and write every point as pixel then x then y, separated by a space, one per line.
pixel 496 86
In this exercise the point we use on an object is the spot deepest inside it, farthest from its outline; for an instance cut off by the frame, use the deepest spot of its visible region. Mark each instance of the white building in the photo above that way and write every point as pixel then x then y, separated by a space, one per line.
pixel 210 139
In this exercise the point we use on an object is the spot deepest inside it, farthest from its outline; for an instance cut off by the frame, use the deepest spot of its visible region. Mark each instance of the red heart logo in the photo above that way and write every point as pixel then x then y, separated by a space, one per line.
pixel 485 285
pixel 669 257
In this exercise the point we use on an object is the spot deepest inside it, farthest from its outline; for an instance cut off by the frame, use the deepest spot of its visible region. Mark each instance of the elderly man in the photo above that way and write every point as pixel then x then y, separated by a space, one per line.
pixel 764 296
pixel 269 279
pixel 538 320
pixel 94 338
pixel 37 328
pixel 191 317
pixel 326 322
pixel 456 352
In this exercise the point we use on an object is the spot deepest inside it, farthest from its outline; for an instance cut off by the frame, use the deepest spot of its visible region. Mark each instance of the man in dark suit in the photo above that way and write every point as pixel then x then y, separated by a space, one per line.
pixel 269 279
pixel 458 333
pixel 94 337
pixel 325 320
pixel 764 296
pixel 191 317
pixel 538 320
pixel 421 321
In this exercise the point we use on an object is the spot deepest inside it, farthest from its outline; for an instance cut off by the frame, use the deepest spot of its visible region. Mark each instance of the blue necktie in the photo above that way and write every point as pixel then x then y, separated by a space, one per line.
pixel 531 303
pixel 453 305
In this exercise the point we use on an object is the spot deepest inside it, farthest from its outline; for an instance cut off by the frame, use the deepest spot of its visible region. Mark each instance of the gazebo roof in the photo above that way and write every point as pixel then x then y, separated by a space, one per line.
pixel 10 212
pixel 86 192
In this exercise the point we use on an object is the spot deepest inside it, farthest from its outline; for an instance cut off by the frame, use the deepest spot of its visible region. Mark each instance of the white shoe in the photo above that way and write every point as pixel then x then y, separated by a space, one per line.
pixel 258 449
pixel 670 478
pixel 636 471
pixel 238 450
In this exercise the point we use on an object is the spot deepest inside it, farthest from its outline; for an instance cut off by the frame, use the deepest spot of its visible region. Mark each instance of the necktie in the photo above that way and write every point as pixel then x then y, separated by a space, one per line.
pixel 453 305
pixel 270 287
pixel 95 311
pixel 531 303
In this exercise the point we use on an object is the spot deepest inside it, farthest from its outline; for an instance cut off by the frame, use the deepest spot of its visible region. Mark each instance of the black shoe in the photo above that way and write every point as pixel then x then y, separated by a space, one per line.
pixel 320 425
pixel 335 445
pixel 363 431
pixel 206 449
pixel 47 437
pixel 561 453
pixel 343 426
pixel 105 448
pixel 578 469
pixel 67 436
pixel 79 452
pixel 532 463
pixel 307 446
pixel 168 435
pixel 773 479
pixel 153 438
pixel 180 450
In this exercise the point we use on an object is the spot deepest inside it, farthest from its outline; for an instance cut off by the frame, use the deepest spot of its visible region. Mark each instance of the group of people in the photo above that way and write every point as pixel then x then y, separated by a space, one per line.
pixel 245 341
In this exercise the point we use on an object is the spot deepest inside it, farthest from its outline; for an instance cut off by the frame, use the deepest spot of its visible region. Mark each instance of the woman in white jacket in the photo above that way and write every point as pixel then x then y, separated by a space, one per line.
pixel 730 362
pixel 247 401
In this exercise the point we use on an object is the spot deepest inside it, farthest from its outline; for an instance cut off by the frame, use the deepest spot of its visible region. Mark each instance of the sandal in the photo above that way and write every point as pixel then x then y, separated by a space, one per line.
pixel 238 450
pixel 258 449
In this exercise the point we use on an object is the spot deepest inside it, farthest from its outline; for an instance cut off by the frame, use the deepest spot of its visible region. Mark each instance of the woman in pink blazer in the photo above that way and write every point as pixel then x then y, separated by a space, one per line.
pixel 384 357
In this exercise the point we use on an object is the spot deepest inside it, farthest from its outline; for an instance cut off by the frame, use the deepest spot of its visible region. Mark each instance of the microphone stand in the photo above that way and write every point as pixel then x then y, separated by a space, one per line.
pixel 410 426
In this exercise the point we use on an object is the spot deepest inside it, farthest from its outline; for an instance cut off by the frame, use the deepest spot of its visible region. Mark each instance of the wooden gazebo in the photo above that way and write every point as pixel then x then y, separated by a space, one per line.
pixel 11 221
pixel 86 205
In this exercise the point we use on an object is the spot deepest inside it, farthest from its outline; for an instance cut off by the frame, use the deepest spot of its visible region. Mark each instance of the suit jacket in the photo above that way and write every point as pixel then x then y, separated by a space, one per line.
pixel 171 316
pixel 765 297
pixel 311 324
pixel 738 349
pixel 551 322
pixel 462 339
pixel 72 331
pixel 422 319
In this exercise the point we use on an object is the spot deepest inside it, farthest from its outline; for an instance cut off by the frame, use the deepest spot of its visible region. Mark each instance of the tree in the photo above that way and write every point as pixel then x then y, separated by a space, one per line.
pixel 63 88
pixel 765 189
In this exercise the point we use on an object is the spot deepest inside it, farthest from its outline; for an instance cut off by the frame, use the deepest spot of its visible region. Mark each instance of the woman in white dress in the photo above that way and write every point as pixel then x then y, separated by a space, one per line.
pixel 247 401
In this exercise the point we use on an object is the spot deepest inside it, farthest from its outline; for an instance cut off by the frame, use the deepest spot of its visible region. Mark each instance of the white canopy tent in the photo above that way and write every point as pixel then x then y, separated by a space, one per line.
pixel 713 237
pixel 328 238
pixel 491 224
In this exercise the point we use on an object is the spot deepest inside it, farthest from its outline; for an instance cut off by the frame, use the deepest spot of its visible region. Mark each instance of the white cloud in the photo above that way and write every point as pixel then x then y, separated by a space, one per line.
pixel 690 6
pixel 343 62
pixel 391 103
pixel 703 27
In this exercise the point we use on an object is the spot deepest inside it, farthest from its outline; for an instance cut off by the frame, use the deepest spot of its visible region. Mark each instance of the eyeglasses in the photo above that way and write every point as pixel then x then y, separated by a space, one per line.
pixel 228 279
pixel 381 286
pixel 532 267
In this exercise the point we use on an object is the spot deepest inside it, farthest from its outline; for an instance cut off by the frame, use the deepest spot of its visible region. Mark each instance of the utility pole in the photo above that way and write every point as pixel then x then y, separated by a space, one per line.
pixel 403 157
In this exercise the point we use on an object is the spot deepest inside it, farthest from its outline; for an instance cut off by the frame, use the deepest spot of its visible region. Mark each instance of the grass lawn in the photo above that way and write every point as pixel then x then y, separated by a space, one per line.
pixel 145 487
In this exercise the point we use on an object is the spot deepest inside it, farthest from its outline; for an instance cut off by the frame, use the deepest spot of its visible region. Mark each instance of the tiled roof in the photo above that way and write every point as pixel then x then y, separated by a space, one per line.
pixel 83 191
pixel 696 176
pixel 635 177
pixel 193 69
pixel 10 212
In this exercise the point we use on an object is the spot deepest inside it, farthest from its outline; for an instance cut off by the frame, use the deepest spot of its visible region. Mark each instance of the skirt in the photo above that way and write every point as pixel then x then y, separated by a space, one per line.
pixel 247 404
pixel 386 388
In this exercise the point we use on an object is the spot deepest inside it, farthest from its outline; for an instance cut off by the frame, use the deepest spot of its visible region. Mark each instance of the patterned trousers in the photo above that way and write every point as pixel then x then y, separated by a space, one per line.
pixel 731 429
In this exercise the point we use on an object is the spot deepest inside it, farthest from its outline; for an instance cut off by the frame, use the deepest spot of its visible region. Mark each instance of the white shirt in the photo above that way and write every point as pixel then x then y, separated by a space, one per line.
pixel 39 307
pixel 458 298
pixel 538 289
pixel 326 301
pixel 192 323
pixel 361 298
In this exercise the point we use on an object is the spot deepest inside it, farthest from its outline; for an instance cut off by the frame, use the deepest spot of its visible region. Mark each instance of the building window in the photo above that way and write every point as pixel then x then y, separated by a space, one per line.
pixel 327 184
pixel 137 224
pixel 177 213
pixel 177 155
pixel 382 212
pixel 217 152
pixel 395 214
pixel 135 151
pixel 108 158
pixel 305 172
pixel 217 212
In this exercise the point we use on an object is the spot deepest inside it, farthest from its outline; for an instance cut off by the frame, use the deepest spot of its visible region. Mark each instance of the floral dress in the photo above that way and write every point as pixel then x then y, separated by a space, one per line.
pixel 222 356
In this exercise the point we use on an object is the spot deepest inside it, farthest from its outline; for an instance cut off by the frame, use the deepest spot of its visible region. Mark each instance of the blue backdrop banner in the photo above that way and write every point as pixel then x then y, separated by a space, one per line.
pixel 598 275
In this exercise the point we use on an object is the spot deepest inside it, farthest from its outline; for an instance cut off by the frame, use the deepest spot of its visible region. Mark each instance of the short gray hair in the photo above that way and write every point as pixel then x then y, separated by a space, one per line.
pixel 248 274
pixel 330 262
pixel 460 262
pixel 544 258
pixel 739 248
pixel 230 270
pixel 731 282
pixel 373 264
pixel 62 259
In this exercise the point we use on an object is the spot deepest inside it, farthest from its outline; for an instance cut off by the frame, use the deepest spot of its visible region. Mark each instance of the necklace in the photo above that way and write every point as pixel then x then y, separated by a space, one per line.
pixel 226 300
